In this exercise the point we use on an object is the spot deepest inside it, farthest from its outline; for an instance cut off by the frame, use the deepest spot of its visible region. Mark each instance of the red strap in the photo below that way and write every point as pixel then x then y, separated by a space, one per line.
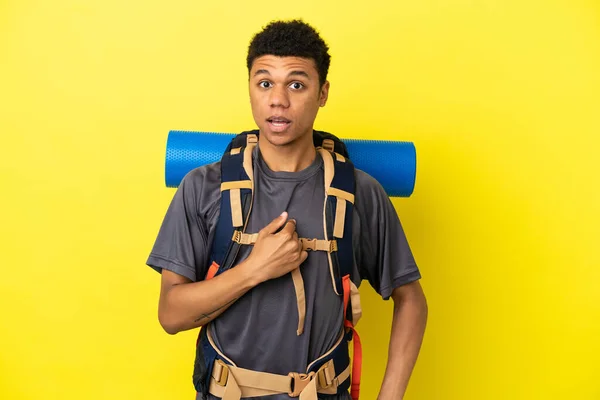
pixel 212 271
pixel 357 354
pixel 346 286
pixel 356 363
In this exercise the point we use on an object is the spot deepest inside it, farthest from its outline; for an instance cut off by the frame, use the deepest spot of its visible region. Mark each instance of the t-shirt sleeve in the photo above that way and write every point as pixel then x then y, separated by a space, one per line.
pixel 181 245
pixel 384 257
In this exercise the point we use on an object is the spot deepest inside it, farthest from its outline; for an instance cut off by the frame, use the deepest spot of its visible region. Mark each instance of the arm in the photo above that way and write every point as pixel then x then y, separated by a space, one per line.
pixel 408 328
pixel 184 304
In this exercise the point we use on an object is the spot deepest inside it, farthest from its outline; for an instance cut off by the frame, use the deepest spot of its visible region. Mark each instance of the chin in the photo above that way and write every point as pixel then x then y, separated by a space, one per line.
pixel 278 138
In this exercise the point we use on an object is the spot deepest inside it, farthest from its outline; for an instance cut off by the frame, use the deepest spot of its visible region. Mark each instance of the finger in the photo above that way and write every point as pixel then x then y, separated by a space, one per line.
pixel 303 256
pixel 274 225
pixel 295 237
pixel 289 228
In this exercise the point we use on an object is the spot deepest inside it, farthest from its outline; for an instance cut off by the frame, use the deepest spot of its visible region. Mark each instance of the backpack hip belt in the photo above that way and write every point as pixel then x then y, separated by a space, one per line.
pixel 230 382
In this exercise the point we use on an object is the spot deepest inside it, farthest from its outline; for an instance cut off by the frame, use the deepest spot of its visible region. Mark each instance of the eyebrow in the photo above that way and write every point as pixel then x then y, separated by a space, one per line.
pixel 292 73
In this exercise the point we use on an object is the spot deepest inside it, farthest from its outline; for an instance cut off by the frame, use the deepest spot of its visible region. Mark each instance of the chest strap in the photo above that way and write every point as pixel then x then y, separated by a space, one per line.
pixel 308 245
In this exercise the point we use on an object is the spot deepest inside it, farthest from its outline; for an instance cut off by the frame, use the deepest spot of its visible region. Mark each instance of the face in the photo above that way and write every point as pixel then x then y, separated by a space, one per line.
pixel 285 96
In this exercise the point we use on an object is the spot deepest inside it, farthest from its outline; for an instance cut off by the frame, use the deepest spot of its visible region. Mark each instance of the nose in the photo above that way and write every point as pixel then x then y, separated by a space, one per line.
pixel 279 97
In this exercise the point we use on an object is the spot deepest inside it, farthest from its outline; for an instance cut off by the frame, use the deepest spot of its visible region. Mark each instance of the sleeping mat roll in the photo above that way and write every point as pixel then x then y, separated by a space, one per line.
pixel 392 163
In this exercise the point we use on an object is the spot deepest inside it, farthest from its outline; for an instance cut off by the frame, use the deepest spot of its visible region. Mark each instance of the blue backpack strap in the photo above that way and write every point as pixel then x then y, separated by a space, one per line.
pixel 340 201
pixel 340 188
pixel 237 183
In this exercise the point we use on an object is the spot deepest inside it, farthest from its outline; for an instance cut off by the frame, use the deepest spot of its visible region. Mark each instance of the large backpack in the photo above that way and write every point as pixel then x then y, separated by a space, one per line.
pixel 330 374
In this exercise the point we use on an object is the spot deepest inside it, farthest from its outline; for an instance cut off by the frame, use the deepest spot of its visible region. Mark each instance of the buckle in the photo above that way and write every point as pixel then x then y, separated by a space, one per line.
pixel 223 373
pixel 237 236
pixel 310 244
pixel 299 382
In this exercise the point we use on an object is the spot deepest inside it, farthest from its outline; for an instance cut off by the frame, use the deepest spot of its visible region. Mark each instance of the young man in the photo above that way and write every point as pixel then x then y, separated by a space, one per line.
pixel 253 308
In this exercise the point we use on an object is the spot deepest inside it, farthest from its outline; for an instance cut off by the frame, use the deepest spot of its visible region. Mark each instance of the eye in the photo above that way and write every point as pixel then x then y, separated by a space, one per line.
pixel 264 84
pixel 296 85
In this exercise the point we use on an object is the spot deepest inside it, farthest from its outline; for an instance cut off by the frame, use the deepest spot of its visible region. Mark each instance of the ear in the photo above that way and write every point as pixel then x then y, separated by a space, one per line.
pixel 324 94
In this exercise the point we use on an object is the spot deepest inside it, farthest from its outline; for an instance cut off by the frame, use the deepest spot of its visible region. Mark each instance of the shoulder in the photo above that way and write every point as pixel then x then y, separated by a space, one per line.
pixel 368 191
pixel 201 188
pixel 199 177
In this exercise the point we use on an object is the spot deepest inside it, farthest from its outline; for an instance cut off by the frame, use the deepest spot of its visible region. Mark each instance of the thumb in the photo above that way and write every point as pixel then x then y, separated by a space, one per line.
pixel 276 224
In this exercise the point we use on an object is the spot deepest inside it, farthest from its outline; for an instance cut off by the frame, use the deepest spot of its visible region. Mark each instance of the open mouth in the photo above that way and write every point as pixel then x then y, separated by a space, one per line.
pixel 278 124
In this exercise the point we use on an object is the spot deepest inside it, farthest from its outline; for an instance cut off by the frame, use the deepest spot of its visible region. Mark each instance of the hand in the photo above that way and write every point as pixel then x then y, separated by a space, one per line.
pixel 276 253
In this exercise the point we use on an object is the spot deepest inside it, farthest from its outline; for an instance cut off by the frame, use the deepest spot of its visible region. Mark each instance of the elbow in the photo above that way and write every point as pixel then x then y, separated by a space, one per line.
pixel 168 323
pixel 168 326
pixel 170 329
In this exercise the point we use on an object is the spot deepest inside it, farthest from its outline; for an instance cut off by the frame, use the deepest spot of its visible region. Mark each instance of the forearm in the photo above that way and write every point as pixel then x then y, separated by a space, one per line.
pixel 186 306
pixel 408 328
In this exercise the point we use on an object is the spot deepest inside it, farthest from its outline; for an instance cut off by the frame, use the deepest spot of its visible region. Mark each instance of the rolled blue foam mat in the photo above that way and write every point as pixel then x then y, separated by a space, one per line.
pixel 392 163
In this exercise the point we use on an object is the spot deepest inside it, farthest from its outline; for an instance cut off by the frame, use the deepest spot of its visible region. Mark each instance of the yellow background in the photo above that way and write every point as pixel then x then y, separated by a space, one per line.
pixel 501 99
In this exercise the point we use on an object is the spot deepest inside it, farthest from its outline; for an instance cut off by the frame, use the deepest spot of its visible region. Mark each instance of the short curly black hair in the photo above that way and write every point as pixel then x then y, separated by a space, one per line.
pixel 293 38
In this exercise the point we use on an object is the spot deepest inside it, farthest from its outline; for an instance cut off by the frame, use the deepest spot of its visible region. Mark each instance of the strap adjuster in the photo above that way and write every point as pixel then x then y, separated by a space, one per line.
pixel 222 372
pixel 326 375
pixel 299 382
pixel 333 246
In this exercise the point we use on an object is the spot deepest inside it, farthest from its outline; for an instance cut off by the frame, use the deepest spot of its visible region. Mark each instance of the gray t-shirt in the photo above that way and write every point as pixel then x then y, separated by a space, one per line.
pixel 258 331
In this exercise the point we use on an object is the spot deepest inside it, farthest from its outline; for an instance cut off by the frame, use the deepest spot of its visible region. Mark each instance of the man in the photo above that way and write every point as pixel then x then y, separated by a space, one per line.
pixel 252 308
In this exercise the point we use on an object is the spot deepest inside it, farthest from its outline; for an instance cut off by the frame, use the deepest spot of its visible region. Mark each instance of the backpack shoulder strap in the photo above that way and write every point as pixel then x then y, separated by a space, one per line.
pixel 337 218
pixel 237 186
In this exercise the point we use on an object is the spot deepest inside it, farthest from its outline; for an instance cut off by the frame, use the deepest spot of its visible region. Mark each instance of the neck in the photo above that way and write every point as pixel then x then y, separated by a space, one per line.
pixel 292 157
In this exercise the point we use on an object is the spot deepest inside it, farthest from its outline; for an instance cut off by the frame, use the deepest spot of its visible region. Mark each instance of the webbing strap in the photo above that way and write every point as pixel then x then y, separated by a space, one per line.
pixel 356 364
pixel 341 194
pixel 357 353
pixel 346 286
pixel 300 299
pixel 235 198
pixel 340 218
pixel 237 218
pixel 340 210
pixel 236 185
pixel 251 141
pixel 212 270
